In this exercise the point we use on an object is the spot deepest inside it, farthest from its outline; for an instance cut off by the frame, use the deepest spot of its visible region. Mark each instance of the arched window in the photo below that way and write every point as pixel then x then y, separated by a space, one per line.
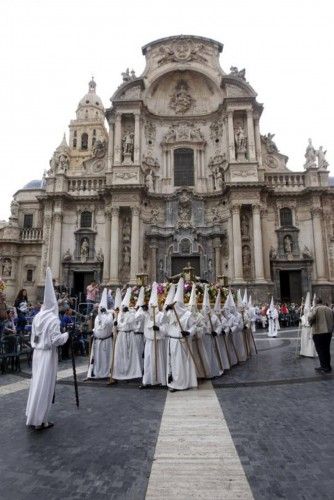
pixel 86 219
pixel 94 137
pixel 183 167
pixel 74 139
pixel 84 141
pixel 286 216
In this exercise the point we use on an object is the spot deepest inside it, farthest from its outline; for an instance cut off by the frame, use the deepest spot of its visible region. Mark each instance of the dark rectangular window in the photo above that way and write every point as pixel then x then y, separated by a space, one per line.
pixel 29 274
pixel 183 167
pixel 28 220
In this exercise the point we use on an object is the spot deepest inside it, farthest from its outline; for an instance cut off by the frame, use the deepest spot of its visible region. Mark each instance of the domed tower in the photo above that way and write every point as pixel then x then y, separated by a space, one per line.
pixel 88 128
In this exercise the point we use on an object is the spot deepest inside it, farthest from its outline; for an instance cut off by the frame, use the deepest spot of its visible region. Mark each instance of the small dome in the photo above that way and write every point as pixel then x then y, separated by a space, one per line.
pixel 34 184
pixel 91 98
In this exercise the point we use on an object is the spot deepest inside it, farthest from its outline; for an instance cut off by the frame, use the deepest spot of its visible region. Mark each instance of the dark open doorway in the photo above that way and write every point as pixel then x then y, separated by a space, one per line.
pixel 291 286
pixel 80 282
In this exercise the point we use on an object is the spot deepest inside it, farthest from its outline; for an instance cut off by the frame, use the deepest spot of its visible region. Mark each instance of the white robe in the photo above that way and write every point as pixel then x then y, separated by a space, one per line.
pixel 307 347
pixel 155 372
pixel 101 352
pixel 180 363
pixel 127 359
pixel 273 323
pixel 202 364
pixel 140 318
pixel 44 370
pixel 211 345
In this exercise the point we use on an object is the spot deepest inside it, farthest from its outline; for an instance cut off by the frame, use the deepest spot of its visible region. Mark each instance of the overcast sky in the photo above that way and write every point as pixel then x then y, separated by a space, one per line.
pixel 49 50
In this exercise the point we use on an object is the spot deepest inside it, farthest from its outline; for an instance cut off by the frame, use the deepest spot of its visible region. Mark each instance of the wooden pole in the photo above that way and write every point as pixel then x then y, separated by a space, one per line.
pixel 155 347
pixel 114 338
pixel 215 341
pixel 186 340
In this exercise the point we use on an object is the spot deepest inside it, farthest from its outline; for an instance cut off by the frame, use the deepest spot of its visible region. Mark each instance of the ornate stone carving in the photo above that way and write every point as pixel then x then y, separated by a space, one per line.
pixel 99 149
pixel 100 256
pixel 128 146
pixel 269 143
pixel 126 175
pixel 184 211
pixel 6 268
pixel 149 180
pixel 183 132
pixel 288 244
pixel 241 74
pixel 133 93
pixel 181 101
pixel 149 162
pixel 183 50
pixel 244 225
pixel 216 130
pixel 150 132
pixel 67 256
pixel 84 250
pixel 322 162
pixel 306 253
pixel 272 253
pixel 246 260
pixel 126 75
pixel 271 162
pixel 240 142
pixel 14 209
pixel 310 156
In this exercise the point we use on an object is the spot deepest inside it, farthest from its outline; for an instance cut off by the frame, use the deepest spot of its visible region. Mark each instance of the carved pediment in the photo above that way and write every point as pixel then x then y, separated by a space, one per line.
pixel 183 132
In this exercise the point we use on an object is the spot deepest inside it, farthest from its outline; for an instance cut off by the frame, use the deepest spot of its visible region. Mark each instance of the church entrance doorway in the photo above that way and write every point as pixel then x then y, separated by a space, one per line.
pixel 291 286
pixel 178 263
pixel 80 282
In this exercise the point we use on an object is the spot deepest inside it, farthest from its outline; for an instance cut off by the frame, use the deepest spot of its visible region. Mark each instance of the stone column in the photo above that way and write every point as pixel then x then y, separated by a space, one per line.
pixel 118 140
pixel 136 155
pixel 56 246
pixel 258 141
pixel 106 260
pixel 217 246
pixel 318 243
pixel 231 146
pixel 114 246
pixel 134 265
pixel 110 147
pixel 153 262
pixel 237 256
pixel 250 135
pixel 258 248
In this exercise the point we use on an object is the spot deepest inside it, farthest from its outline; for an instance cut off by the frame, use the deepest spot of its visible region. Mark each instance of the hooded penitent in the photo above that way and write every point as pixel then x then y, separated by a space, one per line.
pixel 141 298
pixel 179 306
pixel 272 311
pixel 240 303
pixel 307 308
pixel 118 299
pixel 229 306
pixel 126 298
pixel 47 320
pixel 104 302
pixel 153 302
pixel 192 304
pixel 206 308
pixel 170 295
pixel 218 306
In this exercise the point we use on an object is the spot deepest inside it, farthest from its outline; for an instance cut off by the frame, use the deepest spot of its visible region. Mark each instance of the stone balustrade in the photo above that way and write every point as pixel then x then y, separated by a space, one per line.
pixel 286 182
pixel 82 186
pixel 32 234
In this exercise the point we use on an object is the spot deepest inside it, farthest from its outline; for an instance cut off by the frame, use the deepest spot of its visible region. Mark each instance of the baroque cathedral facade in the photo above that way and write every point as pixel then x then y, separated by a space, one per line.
pixel 175 171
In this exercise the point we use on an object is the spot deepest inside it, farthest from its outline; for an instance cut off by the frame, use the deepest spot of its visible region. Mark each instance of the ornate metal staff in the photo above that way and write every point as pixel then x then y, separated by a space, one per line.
pixel 155 346
pixel 113 343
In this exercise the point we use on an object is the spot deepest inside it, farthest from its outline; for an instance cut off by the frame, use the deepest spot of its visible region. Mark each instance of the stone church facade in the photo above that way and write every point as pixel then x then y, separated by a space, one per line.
pixel 175 171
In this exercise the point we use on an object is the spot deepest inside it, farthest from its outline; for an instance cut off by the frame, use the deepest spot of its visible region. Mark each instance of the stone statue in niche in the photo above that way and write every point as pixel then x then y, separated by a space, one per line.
pixel 126 256
pixel 240 142
pixel 128 146
pixel 244 225
pixel 310 156
pixel 63 163
pixel 322 162
pixel 84 250
pixel 181 100
pixel 100 256
pixel 273 253
pixel 217 177
pixel 126 233
pixel 67 256
pixel 6 268
pixel 99 149
pixel 288 244
pixel 149 180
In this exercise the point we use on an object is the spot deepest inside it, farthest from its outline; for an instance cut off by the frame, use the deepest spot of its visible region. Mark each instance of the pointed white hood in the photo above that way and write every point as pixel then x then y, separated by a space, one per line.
pixel 245 299
pixel 206 308
pixel 118 299
pixel 170 295
pixel 250 302
pixel 104 301
pixel 141 298
pixel 229 305
pixel 218 305
pixel 154 295
pixel 179 295
pixel 127 298
pixel 314 300
pixel 192 304
pixel 240 304
pixel 307 305
pixel 272 307
pixel 47 319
